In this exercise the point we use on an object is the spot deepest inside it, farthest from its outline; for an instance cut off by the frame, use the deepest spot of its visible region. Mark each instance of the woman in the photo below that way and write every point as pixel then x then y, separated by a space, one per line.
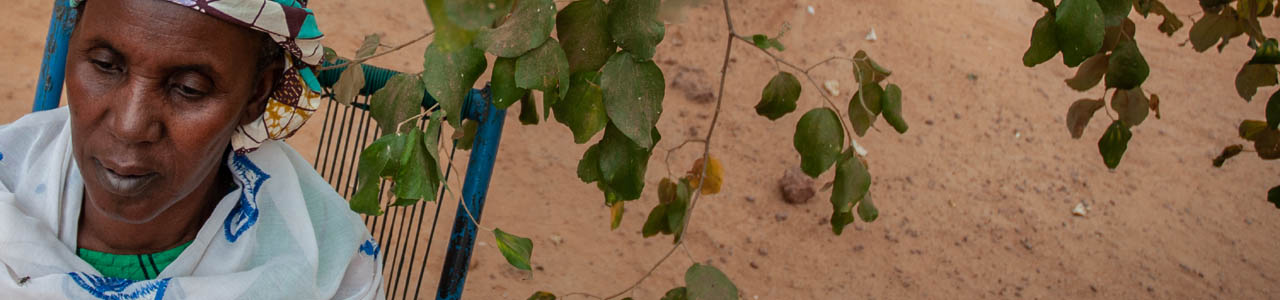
pixel 162 178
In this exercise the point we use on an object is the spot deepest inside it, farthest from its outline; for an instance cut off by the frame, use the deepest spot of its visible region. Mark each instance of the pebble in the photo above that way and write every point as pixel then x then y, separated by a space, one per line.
pixel 782 216
pixel 754 265
pixel 1079 211
pixel 763 252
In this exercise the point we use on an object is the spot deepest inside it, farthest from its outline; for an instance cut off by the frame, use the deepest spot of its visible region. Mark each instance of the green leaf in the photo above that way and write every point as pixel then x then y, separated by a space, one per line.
pixel 544 68
pixel 449 36
pixel 859 116
pixel 330 56
pixel 550 98
pixel 1273 196
pixel 777 44
pixel 476 14
pixel 764 42
pixel 583 29
pixel 1131 105
pixel 634 26
pixel 589 165
pixel 540 295
pixel 1227 153
pixel 529 110
pixel 1267 144
pixel 891 102
pixel 678 293
pixel 1251 77
pixel 1080 113
pixel 867 210
pixel 369 46
pixel 1115 11
pixel 866 69
pixel 779 96
pixel 1267 53
pixel 1080 27
pixel 1210 29
pixel 582 109
pixel 1249 129
pixel 677 210
pixel 449 76
pixel 414 181
pixel 633 93
pixel 819 139
pixel 870 94
pixel 1044 42
pixel 1113 143
pixel 465 136
pixel 1273 110
pixel 505 91
pixel 852 184
pixel 1089 73
pixel 657 222
pixel 841 219
pixel 1047 4
pixel 349 84
pixel 399 100
pixel 516 249
pixel 375 162
pixel 432 140
pixel 623 163
pixel 529 26
pixel 1119 33
pixel 705 282
pixel 1127 68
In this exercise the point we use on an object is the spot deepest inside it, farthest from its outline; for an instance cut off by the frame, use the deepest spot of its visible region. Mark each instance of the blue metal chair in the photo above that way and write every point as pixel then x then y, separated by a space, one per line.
pixel 346 131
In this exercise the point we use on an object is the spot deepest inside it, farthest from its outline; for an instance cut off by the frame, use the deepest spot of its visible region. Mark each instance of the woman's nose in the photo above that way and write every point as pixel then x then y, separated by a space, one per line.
pixel 134 115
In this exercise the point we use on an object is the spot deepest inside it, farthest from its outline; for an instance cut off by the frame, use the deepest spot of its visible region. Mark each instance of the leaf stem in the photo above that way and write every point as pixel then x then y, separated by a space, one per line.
pixel 360 60
pixel 807 75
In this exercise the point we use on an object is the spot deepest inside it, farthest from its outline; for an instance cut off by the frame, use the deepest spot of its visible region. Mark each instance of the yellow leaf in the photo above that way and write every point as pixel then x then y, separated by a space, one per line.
pixel 715 176
pixel 616 210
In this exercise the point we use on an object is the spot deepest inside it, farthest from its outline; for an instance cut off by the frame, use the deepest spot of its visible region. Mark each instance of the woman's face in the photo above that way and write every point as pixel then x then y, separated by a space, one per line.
pixel 156 91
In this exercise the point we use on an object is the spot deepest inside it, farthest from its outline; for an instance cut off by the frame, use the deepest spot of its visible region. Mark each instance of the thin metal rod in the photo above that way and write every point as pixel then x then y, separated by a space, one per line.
pixel 54 65
pixel 434 220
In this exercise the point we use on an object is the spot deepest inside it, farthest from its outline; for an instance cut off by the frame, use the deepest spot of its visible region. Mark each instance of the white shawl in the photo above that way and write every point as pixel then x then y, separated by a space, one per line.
pixel 283 234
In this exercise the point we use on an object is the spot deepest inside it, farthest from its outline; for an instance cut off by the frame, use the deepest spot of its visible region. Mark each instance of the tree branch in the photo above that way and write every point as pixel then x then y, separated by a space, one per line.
pixel 360 60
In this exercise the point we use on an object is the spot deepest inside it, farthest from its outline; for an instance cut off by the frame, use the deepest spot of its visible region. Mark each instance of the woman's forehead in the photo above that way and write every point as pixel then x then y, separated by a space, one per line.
pixel 158 29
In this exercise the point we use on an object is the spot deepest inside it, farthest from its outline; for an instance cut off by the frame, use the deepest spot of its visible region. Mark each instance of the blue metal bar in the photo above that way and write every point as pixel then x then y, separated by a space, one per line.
pixel 54 64
pixel 483 154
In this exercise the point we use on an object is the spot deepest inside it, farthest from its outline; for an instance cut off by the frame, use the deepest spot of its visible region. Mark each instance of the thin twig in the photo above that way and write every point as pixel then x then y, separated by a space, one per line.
pixel 706 154
pixel 808 76
pixel 360 60
pixel 667 160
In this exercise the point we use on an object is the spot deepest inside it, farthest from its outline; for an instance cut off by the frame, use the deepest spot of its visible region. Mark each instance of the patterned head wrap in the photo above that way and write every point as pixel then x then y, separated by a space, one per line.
pixel 297 95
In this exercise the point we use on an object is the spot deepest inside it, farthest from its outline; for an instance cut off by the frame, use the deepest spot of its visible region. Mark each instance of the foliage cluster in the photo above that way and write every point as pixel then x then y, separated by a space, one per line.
pixel 1097 38
pixel 597 77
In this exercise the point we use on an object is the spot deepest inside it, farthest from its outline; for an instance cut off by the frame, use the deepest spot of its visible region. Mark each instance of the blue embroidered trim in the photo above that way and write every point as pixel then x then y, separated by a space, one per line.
pixel 245 213
pixel 370 248
pixel 107 288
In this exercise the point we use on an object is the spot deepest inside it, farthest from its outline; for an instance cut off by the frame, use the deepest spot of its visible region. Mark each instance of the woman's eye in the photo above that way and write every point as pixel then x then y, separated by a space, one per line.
pixel 104 66
pixel 188 92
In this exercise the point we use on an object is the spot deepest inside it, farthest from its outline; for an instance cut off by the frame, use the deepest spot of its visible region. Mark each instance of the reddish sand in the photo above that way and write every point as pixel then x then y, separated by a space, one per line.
pixel 975 200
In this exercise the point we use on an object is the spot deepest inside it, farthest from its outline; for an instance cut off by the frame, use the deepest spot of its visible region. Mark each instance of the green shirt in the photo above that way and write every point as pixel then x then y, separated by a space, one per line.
pixel 131 266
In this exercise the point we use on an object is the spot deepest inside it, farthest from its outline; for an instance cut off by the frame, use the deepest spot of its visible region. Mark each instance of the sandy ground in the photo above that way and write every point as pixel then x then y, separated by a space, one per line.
pixel 975 200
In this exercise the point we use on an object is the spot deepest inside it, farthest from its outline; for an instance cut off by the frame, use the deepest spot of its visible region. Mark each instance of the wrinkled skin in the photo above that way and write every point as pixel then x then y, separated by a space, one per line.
pixel 156 91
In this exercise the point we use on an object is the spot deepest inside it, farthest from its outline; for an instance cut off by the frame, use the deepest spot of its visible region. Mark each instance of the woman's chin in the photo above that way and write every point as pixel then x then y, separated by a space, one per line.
pixel 127 210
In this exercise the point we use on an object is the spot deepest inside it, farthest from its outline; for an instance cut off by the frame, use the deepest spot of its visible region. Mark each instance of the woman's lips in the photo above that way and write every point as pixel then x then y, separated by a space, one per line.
pixel 124 181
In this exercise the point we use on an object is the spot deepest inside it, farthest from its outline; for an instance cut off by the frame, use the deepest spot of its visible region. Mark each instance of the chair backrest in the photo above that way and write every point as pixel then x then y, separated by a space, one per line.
pixel 346 130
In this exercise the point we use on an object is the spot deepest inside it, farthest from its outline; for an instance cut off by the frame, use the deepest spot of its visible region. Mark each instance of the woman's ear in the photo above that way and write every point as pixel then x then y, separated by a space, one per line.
pixel 268 79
